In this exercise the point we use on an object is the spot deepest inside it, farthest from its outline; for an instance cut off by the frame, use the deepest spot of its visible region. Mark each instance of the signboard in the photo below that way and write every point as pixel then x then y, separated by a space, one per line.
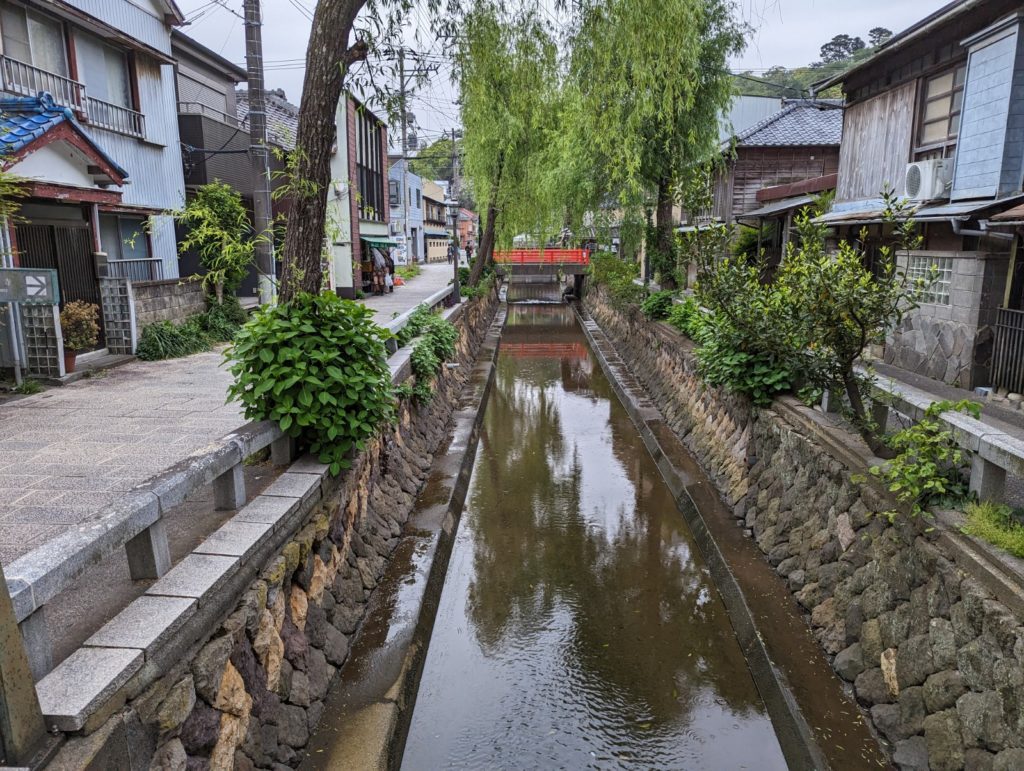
pixel 32 286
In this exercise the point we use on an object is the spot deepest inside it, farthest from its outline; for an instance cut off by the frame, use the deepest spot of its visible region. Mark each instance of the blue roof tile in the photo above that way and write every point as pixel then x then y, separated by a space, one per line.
pixel 24 119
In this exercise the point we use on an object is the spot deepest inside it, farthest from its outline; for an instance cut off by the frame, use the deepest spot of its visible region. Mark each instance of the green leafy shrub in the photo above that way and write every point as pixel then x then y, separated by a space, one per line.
pixel 436 344
pixel 485 286
pixel 687 317
pixel 415 325
pixel 79 325
pixel 164 340
pixel 617 276
pixel 222 322
pixel 724 361
pixel 930 468
pixel 463 276
pixel 316 366
pixel 657 305
pixel 998 524
pixel 217 228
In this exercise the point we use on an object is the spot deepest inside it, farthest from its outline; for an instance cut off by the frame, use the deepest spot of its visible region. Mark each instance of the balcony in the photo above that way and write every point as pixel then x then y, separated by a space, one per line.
pixel 25 80
pixel 138 269
pixel 198 108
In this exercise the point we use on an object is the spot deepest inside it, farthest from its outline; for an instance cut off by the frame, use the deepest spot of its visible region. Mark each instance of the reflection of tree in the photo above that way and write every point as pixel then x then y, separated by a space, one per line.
pixel 646 624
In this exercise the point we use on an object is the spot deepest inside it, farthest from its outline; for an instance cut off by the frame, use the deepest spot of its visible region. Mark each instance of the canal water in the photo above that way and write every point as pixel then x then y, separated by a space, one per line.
pixel 578 626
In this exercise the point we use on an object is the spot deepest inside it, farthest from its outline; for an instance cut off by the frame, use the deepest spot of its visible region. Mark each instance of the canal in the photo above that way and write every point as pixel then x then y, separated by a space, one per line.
pixel 578 624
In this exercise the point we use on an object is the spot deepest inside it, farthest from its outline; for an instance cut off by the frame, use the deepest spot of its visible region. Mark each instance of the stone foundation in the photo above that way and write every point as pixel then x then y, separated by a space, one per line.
pixel 931 653
pixel 250 695
pixel 171 300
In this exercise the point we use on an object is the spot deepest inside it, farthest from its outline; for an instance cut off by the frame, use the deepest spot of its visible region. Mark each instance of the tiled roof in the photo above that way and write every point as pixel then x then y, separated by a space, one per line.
pixel 798 123
pixel 24 119
pixel 282 117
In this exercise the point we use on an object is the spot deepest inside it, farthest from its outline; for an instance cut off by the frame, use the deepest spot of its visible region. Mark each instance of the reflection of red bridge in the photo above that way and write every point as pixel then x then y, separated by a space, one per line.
pixel 542 261
pixel 544 350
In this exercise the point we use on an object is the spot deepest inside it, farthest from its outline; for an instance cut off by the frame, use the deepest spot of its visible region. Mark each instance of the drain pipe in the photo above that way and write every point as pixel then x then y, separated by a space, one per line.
pixel 983 233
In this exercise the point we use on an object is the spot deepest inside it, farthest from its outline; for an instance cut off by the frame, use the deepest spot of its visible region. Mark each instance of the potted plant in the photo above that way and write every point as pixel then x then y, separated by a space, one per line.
pixel 79 327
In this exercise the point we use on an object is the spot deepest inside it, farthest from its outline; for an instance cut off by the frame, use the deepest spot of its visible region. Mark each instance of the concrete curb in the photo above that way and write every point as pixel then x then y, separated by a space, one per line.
pixel 795 735
pixel 370 708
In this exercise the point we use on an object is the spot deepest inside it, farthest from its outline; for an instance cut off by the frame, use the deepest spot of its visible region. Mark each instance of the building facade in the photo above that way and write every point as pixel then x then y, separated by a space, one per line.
pixel 88 119
pixel 405 197
pixel 936 116
pixel 436 234
pixel 357 205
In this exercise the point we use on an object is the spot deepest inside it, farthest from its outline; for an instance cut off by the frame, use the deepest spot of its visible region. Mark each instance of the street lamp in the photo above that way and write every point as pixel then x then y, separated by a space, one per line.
pixel 453 217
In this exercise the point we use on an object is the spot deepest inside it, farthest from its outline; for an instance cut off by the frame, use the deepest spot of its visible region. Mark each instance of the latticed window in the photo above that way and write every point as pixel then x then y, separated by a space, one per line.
pixel 924 267
pixel 942 100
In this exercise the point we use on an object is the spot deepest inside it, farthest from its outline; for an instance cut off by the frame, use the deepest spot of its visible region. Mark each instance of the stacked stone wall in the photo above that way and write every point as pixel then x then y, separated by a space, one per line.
pixel 251 694
pixel 934 658
pixel 172 300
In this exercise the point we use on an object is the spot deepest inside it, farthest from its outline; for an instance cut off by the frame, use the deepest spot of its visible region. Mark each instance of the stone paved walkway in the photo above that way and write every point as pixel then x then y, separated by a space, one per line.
pixel 433 277
pixel 67 452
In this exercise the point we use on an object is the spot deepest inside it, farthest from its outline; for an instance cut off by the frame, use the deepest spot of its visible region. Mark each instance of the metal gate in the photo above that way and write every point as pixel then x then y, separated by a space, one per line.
pixel 68 250
pixel 1008 354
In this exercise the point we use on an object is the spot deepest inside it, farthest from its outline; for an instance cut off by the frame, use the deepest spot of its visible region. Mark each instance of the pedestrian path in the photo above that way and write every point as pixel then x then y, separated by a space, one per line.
pixel 68 452
pixel 433 277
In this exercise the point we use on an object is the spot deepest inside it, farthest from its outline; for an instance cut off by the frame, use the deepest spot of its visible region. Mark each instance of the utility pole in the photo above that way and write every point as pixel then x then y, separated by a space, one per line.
pixel 405 156
pixel 454 206
pixel 259 153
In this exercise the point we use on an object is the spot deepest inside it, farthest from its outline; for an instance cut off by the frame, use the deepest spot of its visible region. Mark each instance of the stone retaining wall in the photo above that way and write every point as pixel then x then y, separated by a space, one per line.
pixel 251 694
pixel 171 300
pixel 932 655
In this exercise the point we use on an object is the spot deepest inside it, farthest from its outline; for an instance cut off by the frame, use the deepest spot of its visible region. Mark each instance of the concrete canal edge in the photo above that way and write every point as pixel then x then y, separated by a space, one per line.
pixel 367 715
pixel 795 735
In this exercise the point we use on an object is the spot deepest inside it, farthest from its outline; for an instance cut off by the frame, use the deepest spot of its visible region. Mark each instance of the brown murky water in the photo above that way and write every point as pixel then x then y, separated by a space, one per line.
pixel 578 626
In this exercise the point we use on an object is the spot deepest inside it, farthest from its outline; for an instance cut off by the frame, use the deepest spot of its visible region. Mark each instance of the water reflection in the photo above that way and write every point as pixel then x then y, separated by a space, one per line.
pixel 578 626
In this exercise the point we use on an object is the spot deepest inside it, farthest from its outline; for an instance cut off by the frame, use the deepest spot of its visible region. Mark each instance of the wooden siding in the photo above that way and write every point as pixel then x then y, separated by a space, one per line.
pixel 876 144
pixel 759 167
pixel 143 25
pixel 982 139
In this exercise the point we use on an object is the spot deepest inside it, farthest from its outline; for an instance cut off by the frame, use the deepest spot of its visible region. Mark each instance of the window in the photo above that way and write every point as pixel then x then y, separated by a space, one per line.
pixel 33 39
pixel 393 193
pixel 369 166
pixel 925 267
pixel 942 99
pixel 419 199
pixel 104 70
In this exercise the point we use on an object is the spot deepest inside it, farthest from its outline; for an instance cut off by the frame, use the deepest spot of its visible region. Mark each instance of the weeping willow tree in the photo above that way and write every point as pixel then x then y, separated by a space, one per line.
pixel 653 80
pixel 509 88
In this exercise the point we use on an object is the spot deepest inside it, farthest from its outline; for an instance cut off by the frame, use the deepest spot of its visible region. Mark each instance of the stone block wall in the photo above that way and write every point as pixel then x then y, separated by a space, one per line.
pixel 934 658
pixel 250 695
pixel 953 343
pixel 171 300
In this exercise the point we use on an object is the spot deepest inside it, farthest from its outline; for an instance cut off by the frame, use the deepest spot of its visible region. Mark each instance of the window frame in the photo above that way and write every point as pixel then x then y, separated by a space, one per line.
pixel 940 148
pixel 941 291
pixel 374 203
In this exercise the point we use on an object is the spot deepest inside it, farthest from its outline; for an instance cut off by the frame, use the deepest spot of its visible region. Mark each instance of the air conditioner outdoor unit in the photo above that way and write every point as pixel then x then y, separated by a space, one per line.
pixel 928 180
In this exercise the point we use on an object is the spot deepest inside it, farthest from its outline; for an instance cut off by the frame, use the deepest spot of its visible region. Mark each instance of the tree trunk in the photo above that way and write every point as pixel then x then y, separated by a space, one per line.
pixel 664 240
pixel 328 57
pixel 485 249
pixel 874 442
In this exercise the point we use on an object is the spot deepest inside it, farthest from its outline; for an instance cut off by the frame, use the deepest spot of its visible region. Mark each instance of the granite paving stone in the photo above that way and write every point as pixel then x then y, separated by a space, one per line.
pixel 194 576
pixel 234 539
pixel 83 681
pixel 144 623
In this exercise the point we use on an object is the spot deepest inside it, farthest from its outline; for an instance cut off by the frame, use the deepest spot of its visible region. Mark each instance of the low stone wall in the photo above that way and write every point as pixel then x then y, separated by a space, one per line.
pixel 251 693
pixel 171 300
pixel 933 655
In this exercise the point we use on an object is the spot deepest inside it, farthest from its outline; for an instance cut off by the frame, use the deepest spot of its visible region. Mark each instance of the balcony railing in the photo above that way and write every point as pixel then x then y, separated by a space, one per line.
pixel 113 117
pixel 198 108
pixel 142 269
pixel 19 78
pixel 26 80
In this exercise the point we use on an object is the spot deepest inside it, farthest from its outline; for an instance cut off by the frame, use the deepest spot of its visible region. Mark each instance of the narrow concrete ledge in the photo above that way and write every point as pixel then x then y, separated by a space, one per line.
pixel 144 624
pixel 195 576
pixel 235 539
pixel 290 485
pixel 267 510
pixel 88 678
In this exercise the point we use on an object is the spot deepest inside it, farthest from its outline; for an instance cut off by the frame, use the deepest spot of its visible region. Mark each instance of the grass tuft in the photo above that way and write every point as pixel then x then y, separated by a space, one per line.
pixel 998 524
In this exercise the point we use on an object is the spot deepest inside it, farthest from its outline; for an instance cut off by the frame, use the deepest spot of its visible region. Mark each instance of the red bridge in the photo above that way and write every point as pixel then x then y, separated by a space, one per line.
pixel 542 261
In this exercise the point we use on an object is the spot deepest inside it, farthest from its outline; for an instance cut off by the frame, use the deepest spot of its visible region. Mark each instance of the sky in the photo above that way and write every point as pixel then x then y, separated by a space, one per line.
pixel 785 32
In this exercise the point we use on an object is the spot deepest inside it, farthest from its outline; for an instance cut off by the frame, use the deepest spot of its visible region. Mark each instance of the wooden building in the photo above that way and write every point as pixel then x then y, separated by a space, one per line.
pixel 937 115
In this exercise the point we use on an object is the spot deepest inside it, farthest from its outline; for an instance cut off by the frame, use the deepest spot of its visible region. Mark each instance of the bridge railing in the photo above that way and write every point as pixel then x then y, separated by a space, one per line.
pixel 543 257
